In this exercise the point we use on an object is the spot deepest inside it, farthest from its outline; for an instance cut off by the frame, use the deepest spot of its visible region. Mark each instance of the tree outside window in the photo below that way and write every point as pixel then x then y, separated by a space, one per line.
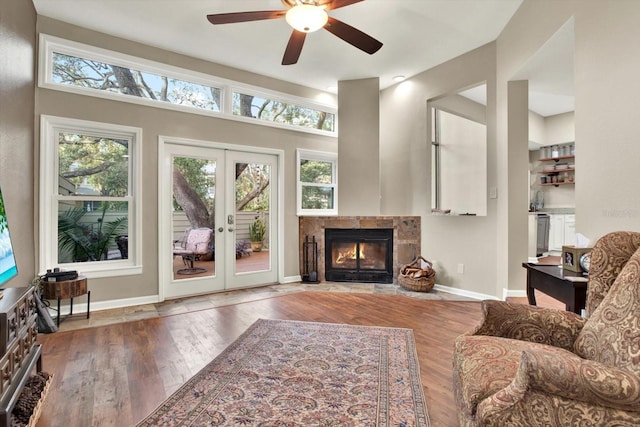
pixel 317 183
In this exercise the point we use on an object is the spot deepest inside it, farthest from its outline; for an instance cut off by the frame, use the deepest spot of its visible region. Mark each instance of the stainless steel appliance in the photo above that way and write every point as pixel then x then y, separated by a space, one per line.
pixel 542 234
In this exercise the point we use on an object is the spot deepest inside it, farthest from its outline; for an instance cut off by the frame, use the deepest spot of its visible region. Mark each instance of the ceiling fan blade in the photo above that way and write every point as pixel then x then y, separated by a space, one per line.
pixel 294 47
pixel 335 4
pixel 353 36
pixel 230 18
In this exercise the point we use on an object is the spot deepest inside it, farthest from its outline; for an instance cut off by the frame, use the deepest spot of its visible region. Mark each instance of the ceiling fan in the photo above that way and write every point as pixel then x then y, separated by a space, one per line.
pixel 305 16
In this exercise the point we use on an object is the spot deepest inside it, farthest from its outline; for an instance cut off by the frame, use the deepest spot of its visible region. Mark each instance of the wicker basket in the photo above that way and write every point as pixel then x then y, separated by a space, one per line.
pixel 420 284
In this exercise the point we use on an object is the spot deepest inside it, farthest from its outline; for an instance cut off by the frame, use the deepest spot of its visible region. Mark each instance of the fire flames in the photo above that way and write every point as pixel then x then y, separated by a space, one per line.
pixel 350 254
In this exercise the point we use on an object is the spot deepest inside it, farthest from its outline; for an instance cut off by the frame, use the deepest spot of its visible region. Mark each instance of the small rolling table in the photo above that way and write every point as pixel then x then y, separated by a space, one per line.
pixel 563 285
pixel 67 289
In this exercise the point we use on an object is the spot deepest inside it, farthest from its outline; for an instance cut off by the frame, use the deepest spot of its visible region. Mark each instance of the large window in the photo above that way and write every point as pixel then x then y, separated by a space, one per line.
pixel 74 67
pixel 317 183
pixel 88 190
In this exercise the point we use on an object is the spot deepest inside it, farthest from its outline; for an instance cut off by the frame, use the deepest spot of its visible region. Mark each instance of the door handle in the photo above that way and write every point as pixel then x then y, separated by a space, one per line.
pixel 220 230
pixel 230 229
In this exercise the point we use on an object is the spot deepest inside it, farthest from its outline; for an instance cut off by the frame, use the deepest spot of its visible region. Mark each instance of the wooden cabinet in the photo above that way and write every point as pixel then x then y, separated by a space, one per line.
pixel 562 231
pixel 18 347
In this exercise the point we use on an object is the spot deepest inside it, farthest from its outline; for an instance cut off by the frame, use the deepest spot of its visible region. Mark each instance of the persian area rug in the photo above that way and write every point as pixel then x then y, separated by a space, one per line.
pixel 301 374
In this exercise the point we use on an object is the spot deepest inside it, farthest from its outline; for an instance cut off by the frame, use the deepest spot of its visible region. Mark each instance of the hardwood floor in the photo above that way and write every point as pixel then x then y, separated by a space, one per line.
pixel 115 375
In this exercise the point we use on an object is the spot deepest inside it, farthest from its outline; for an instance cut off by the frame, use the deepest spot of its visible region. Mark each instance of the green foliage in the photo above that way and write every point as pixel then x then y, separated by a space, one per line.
pixel 99 163
pixel 257 230
pixel 201 177
pixel 83 241
pixel 3 215
pixel 316 171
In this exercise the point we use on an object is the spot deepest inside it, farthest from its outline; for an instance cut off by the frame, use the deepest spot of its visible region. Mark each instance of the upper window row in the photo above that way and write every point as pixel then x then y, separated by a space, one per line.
pixel 71 66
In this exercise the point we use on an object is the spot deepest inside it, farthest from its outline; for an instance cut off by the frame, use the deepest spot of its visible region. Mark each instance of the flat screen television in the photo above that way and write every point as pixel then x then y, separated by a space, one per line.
pixel 8 268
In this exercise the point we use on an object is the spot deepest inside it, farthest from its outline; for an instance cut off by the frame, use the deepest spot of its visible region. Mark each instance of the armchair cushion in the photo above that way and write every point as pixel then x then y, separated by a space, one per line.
pixel 612 333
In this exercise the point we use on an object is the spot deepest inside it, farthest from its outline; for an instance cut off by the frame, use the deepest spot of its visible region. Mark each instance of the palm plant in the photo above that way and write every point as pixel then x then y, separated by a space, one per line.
pixel 83 241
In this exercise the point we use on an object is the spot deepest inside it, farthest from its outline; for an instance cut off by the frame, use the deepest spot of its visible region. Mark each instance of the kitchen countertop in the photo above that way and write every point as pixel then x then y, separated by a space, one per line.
pixel 557 211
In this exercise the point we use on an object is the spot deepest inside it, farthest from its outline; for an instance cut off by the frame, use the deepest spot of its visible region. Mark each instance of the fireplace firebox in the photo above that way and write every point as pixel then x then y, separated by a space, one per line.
pixel 359 255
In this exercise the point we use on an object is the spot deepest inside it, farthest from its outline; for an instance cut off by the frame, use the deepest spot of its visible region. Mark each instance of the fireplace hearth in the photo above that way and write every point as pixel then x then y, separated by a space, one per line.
pixel 359 255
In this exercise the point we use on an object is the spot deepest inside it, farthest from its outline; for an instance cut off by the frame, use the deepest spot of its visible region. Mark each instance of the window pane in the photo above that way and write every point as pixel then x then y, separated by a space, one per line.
pixel 89 230
pixel 316 171
pixel 281 112
pixel 317 197
pixel 82 72
pixel 91 165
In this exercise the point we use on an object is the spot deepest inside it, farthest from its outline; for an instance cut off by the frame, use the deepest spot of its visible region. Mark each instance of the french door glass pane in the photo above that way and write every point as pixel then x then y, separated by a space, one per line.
pixel 252 195
pixel 194 193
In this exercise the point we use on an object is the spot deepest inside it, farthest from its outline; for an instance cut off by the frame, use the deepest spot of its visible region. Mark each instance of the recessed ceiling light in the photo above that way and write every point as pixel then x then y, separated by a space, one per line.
pixel 399 78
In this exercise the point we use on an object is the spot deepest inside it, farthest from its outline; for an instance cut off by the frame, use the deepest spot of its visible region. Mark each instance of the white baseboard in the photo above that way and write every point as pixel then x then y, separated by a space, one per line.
pixel 506 293
pixel 79 308
pixel 292 279
pixel 462 292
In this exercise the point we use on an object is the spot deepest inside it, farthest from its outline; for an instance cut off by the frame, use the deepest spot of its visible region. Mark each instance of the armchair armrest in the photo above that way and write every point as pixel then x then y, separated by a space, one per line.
pixel 574 378
pixel 527 323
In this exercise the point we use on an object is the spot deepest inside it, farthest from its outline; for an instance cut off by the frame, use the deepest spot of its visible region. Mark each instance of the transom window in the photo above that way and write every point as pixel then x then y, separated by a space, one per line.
pixel 88 197
pixel 74 67
pixel 96 75
pixel 317 183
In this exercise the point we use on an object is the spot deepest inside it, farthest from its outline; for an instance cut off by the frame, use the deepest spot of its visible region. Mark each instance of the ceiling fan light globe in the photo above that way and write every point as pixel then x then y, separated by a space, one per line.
pixel 307 18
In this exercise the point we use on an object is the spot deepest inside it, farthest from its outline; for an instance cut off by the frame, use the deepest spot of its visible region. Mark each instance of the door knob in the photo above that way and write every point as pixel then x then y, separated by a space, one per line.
pixel 220 230
pixel 230 229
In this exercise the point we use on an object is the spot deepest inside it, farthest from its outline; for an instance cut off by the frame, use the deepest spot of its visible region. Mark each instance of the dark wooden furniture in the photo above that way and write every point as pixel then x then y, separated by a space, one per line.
pixel 67 289
pixel 563 285
pixel 20 352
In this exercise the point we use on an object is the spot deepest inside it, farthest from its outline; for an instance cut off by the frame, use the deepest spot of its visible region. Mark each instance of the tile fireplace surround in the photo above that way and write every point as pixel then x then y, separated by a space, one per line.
pixel 406 236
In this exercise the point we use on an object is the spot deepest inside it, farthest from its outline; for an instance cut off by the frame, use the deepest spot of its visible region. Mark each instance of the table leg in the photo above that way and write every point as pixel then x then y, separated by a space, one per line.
pixel 58 319
pixel 531 292
pixel 71 308
pixel 88 302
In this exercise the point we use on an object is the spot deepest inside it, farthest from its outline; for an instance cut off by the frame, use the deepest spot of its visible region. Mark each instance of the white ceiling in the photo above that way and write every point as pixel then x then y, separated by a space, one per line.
pixel 417 34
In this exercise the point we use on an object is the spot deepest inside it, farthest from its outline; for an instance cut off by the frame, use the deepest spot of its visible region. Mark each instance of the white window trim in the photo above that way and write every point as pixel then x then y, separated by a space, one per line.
pixel 50 44
pixel 321 156
pixel 48 224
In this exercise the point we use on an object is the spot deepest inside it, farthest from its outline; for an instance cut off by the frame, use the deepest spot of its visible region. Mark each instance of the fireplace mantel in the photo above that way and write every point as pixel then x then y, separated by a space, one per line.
pixel 406 236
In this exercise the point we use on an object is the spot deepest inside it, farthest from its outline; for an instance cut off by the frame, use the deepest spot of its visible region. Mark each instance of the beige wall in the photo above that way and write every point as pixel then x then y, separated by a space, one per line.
pixel 155 122
pixel 606 72
pixel 607 125
pixel 607 116
pixel 560 129
pixel 406 175
pixel 17 47
pixel 359 147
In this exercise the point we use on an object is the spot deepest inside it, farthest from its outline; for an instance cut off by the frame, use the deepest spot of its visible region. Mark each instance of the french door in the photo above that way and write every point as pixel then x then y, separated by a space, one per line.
pixel 213 203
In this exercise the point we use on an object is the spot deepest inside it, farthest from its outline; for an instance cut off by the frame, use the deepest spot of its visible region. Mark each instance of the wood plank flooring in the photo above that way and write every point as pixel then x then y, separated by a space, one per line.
pixel 115 375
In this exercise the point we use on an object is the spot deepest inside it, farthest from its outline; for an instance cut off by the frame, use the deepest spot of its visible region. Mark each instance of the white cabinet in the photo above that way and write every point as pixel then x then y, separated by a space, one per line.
pixel 562 231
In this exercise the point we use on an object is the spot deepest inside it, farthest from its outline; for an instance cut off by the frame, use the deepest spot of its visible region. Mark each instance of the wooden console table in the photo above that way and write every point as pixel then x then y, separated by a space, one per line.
pixel 67 289
pixel 563 285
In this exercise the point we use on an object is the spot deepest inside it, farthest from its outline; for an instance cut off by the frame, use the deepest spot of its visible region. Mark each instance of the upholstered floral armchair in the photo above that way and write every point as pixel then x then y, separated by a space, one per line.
pixel 530 366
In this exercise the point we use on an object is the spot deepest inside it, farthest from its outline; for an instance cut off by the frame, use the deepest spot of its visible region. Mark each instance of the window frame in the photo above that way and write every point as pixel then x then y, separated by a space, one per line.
pixel 50 44
pixel 49 197
pixel 319 156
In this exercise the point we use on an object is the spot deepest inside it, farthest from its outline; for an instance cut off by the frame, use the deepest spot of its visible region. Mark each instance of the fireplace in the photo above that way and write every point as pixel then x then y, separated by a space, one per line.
pixel 359 255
